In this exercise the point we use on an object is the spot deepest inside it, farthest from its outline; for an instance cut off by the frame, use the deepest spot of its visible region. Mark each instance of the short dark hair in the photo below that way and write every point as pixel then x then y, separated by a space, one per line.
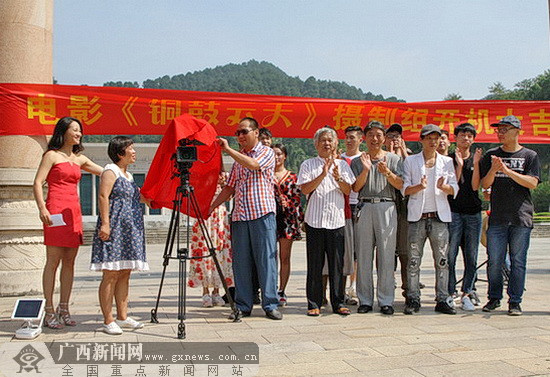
pixel 353 128
pixel 265 132
pixel 252 122
pixel 445 132
pixel 281 147
pixel 58 137
pixel 117 147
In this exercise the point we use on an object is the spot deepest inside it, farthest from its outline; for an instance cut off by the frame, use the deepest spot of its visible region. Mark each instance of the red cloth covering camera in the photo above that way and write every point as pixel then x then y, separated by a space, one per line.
pixel 161 184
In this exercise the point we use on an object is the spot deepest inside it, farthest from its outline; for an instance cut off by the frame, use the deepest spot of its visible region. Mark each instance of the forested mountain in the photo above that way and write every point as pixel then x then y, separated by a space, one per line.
pixel 255 77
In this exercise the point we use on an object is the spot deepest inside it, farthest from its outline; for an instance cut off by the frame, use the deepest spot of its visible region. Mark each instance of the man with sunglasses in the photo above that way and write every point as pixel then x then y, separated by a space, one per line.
pixel 253 224
pixel 511 171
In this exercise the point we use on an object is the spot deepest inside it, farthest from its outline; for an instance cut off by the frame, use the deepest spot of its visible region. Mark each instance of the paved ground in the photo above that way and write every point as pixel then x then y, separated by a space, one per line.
pixel 425 344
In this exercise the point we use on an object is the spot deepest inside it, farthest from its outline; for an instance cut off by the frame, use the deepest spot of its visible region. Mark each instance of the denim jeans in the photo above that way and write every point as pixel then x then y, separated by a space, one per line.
pixel 254 246
pixel 500 239
pixel 465 228
pixel 438 234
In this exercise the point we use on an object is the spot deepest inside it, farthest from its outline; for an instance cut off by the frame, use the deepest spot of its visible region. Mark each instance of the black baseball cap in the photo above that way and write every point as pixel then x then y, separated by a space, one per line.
pixel 509 120
pixel 465 127
pixel 396 127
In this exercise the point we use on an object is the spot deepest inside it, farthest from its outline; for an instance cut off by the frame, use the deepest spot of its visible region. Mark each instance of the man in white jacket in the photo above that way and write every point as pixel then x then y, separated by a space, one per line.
pixel 428 178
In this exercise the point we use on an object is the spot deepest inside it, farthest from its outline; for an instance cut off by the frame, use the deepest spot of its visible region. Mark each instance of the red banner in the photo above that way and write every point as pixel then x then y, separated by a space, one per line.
pixel 33 109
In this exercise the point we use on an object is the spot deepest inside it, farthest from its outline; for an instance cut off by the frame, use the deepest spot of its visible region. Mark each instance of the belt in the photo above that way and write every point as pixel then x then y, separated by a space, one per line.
pixel 375 200
pixel 429 215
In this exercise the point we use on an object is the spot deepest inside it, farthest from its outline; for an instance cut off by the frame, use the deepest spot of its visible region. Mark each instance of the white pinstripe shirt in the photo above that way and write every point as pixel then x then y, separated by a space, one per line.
pixel 325 208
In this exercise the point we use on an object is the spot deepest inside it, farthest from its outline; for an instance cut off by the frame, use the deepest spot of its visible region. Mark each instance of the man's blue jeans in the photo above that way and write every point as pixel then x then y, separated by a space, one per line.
pixel 468 228
pixel 254 244
pixel 500 239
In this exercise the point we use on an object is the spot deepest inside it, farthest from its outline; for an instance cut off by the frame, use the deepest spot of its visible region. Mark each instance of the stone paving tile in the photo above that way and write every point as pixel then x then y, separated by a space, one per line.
pixel 291 347
pixel 542 349
pixel 330 344
pixel 520 343
pixel 334 368
pixel 539 365
pixel 489 369
pixel 405 350
pixel 484 355
pixel 396 362
pixel 322 356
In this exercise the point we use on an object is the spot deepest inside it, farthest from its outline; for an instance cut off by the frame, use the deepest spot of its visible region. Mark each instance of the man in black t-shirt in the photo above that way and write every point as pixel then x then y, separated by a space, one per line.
pixel 465 227
pixel 511 171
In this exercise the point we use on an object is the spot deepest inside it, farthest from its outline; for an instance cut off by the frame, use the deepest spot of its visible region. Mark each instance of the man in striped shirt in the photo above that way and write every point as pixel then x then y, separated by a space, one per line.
pixel 253 228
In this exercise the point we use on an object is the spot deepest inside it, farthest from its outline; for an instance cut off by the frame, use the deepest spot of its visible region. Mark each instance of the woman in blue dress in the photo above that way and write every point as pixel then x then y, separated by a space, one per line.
pixel 119 240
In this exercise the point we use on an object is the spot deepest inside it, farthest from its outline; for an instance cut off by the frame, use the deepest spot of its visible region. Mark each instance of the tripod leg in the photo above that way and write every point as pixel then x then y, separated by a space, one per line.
pixel 237 315
pixel 172 230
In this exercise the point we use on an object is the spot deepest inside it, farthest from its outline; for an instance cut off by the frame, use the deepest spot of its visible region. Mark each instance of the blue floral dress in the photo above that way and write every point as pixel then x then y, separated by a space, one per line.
pixel 125 248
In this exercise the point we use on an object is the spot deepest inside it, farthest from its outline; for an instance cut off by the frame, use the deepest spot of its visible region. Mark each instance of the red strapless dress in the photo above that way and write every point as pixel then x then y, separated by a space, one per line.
pixel 63 198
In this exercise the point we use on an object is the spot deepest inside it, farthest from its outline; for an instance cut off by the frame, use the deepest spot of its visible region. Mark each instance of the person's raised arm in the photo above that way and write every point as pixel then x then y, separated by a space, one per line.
pixel 106 183
pixel 308 187
pixel 361 179
pixel 246 161
pixel 476 180
pixel 91 167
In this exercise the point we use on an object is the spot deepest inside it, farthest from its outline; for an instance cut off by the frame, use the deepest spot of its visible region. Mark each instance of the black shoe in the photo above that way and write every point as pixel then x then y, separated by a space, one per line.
pixel 514 309
pixel 364 309
pixel 411 306
pixel 256 299
pixel 421 285
pixel 491 305
pixel 274 314
pixel 443 307
pixel 238 315
pixel 387 309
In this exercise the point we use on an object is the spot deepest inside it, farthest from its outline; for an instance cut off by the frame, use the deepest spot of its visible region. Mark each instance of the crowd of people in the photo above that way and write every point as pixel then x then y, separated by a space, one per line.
pixel 365 212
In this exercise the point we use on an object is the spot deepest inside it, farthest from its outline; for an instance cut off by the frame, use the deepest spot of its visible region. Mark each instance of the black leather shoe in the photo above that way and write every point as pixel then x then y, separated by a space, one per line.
pixel 411 306
pixel 274 314
pixel 491 305
pixel 364 309
pixel 443 307
pixel 239 315
pixel 387 309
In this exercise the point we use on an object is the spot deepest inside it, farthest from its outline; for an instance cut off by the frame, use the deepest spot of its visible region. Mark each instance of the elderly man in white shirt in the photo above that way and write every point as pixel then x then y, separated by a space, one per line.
pixel 428 178
pixel 325 180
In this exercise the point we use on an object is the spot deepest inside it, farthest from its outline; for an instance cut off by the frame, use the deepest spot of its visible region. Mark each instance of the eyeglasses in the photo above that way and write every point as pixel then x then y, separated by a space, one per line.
pixel 244 131
pixel 503 130
pixel 393 136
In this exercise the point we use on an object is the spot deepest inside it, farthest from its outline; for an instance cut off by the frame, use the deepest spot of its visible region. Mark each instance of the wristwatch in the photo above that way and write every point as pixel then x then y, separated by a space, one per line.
pixel 340 180
pixel 388 174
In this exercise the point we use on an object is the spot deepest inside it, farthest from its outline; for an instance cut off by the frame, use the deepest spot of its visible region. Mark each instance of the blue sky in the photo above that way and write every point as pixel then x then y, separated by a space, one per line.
pixel 415 50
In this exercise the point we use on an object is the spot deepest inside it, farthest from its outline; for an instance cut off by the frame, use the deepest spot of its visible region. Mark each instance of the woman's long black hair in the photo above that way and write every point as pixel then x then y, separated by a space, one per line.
pixel 58 137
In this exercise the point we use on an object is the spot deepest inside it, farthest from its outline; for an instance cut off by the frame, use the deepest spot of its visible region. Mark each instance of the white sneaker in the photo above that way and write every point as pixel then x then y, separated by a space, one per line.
pixel 217 300
pixel 129 323
pixel 207 301
pixel 475 298
pixel 112 329
pixel 467 304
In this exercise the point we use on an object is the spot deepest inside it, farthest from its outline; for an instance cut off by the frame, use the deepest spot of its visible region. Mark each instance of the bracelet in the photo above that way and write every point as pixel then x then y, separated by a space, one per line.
pixel 388 174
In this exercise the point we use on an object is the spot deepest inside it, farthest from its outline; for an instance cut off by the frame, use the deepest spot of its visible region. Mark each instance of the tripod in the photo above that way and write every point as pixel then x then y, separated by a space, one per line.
pixel 185 190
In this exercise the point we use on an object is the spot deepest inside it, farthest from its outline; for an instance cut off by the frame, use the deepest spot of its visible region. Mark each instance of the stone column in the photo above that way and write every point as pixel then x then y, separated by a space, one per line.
pixel 26 30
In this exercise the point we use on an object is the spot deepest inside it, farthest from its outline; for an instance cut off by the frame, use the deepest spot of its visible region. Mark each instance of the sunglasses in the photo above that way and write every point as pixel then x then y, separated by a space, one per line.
pixel 244 131
pixel 503 130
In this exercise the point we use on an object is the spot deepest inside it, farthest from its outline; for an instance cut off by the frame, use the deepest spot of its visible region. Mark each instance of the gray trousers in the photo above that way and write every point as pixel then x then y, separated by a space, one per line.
pixel 438 234
pixel 376 228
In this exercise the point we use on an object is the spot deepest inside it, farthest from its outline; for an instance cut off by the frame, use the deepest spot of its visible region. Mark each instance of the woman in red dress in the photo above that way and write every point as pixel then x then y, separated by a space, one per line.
pixel 60 213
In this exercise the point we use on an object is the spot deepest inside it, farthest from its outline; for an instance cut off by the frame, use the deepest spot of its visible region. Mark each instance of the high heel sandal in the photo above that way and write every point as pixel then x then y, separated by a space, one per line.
pixel 64 315
pixel 50 319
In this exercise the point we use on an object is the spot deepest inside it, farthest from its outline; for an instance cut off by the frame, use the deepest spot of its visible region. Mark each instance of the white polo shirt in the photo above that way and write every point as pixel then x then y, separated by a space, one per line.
pixel 325 207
